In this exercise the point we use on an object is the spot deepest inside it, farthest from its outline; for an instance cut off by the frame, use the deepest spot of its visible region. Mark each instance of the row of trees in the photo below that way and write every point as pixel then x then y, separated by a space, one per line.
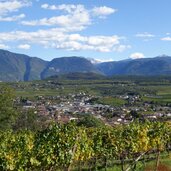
pixel 61 146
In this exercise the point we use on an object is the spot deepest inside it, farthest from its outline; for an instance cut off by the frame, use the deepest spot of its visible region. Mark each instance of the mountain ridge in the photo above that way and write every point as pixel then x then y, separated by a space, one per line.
pixel 21 67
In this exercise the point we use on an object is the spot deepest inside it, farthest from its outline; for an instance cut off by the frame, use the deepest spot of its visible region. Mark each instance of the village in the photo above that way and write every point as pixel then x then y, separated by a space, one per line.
pixel 64 108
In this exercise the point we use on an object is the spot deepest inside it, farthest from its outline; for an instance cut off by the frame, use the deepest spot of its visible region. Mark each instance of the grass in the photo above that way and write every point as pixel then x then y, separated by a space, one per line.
pixel 163 166
pixel 162 99
pixel 107 88
pixel 31 93
pixel 111 101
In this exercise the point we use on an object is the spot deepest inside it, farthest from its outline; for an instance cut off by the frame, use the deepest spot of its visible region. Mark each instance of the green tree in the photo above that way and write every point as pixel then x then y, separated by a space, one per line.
pixel 28 120
pixel 89 120
pixel 8 113
pixel 135 114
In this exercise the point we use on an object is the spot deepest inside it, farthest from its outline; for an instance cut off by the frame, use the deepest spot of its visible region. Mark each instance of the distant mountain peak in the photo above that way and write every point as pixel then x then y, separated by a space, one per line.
pixel 94 61
pixel 97 61
pixel 163 55
pixel 20 67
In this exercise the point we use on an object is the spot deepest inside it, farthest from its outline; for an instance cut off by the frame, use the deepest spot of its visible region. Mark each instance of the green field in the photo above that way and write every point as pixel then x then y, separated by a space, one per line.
pixel 157 90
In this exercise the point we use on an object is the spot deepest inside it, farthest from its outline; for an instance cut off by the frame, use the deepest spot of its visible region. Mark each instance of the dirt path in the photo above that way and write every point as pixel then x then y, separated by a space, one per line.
pixel 161 167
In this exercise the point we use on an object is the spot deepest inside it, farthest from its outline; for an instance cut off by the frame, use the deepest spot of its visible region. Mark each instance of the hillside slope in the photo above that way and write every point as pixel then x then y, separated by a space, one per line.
pixel 68 65
pixel 145 66
pixel 20 67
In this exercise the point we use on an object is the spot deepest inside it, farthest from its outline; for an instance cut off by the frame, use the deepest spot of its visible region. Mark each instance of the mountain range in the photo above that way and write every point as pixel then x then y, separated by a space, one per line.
pixel 20 67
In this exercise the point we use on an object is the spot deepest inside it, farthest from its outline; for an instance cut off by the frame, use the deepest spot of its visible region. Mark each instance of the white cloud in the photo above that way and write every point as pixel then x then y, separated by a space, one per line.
pixel 24 46
pixel 45 6
pixel 9 6
pixel 65 7
pixel 95 43
pixel 166 38
pixel 145 35
pixel 12 18
pixel 121 48
pixel 103 40
pixel 97 11
pixel 55 38
pixel 69 45
pixel 76 19
pixel 62 21
pixel 103 11
pixel 3 46
pixel 137 55
pixel 73 19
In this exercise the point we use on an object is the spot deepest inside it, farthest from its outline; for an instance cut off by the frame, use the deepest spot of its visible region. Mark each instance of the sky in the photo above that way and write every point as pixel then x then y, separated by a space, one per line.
pixel 106 30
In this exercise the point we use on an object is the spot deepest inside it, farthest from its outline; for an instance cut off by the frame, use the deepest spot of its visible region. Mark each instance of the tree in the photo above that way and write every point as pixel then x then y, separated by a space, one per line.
pixel 89 120
pixel 135 114
pixel 28 120
pixel 8 113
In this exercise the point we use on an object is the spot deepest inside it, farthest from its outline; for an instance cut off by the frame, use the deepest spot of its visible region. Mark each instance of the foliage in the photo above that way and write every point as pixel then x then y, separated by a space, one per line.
pixel 28 120
pixel 89 120
pixel 135 114
pixel 8 113
pixel 60 146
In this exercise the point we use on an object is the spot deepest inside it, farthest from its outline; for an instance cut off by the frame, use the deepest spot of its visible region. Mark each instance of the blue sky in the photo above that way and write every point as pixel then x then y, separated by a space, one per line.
pixel 100 29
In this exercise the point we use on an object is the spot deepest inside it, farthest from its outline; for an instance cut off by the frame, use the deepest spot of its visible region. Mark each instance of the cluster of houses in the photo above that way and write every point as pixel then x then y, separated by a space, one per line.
pixel 66 108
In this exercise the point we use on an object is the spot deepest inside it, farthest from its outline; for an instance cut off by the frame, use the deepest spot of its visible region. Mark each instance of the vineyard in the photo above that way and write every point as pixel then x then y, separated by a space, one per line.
pixel 69 147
